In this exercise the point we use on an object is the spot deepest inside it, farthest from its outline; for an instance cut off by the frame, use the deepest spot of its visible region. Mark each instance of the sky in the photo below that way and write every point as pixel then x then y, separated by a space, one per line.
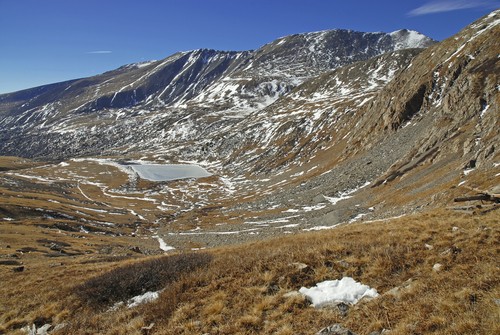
pixel 48 41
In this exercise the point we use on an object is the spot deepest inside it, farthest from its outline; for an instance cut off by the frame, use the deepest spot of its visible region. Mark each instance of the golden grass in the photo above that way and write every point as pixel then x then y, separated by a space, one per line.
pixel 243 290
pixel 384 255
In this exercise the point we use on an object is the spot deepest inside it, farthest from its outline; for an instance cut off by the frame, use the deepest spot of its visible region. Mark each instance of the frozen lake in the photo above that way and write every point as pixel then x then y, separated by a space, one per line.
pixel 166 172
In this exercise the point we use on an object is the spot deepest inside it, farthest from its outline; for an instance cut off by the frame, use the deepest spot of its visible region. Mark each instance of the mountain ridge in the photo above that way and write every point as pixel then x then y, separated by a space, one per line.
pixel 231 83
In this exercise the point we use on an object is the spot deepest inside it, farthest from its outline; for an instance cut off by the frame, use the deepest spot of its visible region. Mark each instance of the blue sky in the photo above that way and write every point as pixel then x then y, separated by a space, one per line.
pixel 47 41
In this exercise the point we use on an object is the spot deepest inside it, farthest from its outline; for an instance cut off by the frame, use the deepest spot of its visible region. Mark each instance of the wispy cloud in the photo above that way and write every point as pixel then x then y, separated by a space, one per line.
pixel 440 6
pixel 100 52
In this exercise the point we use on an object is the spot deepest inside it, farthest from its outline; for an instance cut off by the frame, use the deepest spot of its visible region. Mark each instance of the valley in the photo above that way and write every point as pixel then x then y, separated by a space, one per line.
pixel 319 155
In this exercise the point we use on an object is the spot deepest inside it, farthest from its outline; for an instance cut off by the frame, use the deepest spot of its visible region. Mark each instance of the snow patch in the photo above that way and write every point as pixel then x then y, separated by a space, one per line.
pixel 345 195
pixel 163 245
pixel 467 171
pixel 144 64
pixel 485 109
pixel 357 217
pixel 317 228
pixel 345 290
pixel 408 39
pixel 142 299
pixel 136 214
pixel 314 208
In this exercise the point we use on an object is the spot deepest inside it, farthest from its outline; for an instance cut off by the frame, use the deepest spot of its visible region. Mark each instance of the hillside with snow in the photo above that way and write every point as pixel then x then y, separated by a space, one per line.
pixel 321 115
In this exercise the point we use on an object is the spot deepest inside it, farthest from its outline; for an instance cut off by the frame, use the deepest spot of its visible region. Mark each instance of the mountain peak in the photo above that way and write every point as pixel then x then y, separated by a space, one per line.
pixel 409 39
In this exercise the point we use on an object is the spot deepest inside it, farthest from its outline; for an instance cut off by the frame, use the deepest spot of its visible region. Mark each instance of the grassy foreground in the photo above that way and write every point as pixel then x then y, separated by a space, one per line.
pixel 243 289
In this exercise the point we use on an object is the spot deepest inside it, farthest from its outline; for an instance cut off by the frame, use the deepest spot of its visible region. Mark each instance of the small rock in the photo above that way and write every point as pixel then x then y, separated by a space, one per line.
pixel 18 269
pixel 454 229
pixel 428 246
pixel 437 267
pixel 56 247
pixel 339 306
pixel 496 301
pixel 299 266
pixel 272 289
pixel 136 249
pixel 446 252
pixel 335 329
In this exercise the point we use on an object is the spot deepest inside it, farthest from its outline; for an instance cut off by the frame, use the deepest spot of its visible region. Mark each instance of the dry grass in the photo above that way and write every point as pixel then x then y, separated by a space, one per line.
pixel 16 163
pixel 243 289
pixel 247 297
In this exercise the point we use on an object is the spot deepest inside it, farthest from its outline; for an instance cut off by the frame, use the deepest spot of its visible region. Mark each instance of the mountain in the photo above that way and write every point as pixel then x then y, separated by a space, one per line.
pixel 320 114
pixel 198 88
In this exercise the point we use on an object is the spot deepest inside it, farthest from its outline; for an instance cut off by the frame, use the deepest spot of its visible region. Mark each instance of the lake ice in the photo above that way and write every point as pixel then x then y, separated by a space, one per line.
pixel 166 172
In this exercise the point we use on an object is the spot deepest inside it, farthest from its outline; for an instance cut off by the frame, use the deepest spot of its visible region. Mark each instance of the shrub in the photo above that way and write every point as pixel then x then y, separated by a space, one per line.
pixel 137 278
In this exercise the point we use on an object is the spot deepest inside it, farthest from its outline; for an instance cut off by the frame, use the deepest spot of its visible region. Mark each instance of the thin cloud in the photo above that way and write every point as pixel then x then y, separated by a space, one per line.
pixel 440 6
pixel 100 52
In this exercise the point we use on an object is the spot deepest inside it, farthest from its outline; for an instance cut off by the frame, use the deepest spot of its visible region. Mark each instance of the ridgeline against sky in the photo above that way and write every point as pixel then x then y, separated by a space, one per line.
pixel 50 41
